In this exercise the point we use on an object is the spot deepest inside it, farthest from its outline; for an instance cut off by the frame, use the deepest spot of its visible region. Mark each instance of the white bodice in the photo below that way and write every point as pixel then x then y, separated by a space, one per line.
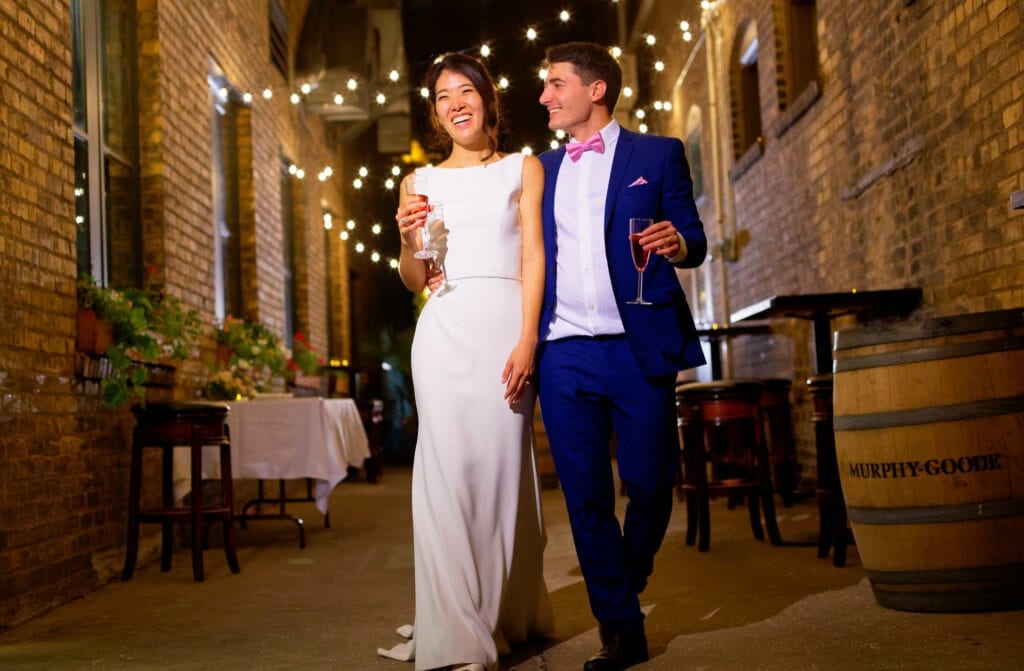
pixel 481 218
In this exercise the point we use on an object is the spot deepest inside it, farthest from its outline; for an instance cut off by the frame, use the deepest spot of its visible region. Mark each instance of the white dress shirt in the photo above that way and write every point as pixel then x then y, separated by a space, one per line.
pixel 584 300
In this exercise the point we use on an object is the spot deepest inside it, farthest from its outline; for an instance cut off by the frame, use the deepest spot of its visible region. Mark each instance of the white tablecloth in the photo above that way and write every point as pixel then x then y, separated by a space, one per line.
pixel 289 438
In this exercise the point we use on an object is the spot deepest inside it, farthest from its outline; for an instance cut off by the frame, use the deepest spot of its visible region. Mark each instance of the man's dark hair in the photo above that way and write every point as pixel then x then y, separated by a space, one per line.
pixel 476 72
pixel 592 62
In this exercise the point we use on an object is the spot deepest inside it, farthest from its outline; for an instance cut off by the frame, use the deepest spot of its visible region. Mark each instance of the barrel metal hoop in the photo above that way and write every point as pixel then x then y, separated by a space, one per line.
pixel 953 351
pixel 1012 571
pixel 960 512
pixel 939 413
pixel 938 327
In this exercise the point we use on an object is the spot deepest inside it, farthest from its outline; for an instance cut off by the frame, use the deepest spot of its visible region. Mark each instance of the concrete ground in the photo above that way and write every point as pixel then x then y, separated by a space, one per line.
pixel 744 605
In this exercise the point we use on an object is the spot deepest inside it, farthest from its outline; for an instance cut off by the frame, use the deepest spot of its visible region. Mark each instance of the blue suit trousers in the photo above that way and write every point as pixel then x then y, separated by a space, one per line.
pixel 591 389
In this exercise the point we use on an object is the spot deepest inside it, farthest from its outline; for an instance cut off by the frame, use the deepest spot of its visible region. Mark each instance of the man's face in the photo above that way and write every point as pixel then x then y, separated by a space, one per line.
pixel 569 101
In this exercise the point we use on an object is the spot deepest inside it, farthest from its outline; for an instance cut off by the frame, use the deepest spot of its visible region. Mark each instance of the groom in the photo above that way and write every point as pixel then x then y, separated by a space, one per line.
pixel 607 366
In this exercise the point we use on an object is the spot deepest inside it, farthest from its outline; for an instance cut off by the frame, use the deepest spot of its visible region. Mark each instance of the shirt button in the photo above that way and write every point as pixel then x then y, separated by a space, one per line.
pixel 590 307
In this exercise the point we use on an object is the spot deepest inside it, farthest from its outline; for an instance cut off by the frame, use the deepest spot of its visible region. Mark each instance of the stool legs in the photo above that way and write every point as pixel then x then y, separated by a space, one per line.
pixel 722 428
pixel 228 497
pixel 832 522
pixel 190 426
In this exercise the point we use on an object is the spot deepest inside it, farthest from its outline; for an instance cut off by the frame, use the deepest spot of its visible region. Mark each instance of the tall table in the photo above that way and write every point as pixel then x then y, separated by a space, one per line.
pixel 715 335
pixel 287 438
pixel 821 309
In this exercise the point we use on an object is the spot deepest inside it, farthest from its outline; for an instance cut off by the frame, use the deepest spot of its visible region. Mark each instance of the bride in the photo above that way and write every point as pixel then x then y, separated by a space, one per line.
pixel 477 526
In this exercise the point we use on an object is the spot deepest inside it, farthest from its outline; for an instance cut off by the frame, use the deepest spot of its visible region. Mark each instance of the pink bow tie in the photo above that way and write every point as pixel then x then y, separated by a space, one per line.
pixel 576 149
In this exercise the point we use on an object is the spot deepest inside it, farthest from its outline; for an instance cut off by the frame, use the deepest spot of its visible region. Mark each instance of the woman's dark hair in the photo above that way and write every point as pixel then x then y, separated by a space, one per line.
pixel 476 72
pixel 592 62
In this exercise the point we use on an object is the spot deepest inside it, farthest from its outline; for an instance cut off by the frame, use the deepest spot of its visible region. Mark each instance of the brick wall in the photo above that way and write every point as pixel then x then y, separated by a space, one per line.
pixel 899 174
pixel 64 458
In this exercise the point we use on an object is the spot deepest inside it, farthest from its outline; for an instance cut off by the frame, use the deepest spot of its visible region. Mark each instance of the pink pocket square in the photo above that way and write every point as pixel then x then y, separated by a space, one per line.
pixel 639 181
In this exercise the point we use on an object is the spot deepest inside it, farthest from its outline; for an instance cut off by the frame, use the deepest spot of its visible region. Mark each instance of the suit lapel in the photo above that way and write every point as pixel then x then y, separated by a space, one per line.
pixel 623 154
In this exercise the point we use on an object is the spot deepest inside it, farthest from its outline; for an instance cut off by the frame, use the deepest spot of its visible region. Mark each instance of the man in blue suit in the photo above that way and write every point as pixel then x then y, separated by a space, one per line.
pixel 605 365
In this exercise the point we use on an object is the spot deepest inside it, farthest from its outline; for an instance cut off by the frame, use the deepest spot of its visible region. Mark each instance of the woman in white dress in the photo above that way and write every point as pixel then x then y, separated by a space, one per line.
pixel 477 525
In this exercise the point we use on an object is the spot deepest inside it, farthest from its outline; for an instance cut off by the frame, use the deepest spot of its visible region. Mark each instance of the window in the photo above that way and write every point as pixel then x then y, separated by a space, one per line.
pixel 279 38
pixel 692 147
pixel 106 137
pixel 746 99
pixel 797 46
pixel 291 314
pixel 226 107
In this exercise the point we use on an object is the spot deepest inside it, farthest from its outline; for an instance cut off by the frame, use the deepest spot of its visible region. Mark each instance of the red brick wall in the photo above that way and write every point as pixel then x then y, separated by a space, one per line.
pixel 64 458
pixel 899 174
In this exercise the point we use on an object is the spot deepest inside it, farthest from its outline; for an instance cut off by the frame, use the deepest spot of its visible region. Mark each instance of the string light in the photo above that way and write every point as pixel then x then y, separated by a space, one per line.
pixel 350 225
pixel 364 171
pixel 485 50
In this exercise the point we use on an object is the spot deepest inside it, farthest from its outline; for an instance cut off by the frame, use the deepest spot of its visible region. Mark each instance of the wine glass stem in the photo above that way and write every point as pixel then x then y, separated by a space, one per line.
pixel 640 285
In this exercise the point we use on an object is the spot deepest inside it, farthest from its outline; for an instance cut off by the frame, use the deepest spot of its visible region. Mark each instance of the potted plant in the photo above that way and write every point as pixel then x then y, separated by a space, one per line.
pixel 146 325
pixel 249 357
pixel 305 363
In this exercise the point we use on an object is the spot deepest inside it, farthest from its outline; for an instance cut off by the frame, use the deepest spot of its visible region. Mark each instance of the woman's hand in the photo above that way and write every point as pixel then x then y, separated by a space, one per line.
pixel 435 277
pixel 411 215
pixel 518 371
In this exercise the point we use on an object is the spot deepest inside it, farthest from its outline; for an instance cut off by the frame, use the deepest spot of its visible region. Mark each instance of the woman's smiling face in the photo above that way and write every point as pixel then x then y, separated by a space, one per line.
pixel 459 108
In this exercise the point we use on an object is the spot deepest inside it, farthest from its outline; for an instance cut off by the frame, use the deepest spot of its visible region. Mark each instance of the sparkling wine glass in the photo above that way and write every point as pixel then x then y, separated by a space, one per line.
pixel 415 186
pixel 637 226
pixel 433 239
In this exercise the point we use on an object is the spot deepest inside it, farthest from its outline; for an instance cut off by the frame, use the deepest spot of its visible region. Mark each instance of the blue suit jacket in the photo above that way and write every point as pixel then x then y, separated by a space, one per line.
pixel 662 336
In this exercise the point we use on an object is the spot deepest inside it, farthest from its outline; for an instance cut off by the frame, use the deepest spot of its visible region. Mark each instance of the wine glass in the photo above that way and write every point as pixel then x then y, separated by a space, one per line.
pixel 433 241
pixel 415 185
pixel 637 225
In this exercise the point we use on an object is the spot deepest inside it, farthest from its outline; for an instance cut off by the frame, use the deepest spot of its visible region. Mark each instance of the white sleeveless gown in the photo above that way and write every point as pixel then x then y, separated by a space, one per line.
pixel 477 525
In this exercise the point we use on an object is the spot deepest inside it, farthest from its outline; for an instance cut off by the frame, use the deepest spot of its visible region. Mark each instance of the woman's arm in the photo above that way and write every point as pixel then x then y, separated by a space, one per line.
pixel 411 216
pixel 519 367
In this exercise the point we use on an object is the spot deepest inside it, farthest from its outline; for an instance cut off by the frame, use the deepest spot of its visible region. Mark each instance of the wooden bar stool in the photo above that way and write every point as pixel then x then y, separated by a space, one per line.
pixel 166 426
pixel 724 453
pixel 779 433
pixel 832 522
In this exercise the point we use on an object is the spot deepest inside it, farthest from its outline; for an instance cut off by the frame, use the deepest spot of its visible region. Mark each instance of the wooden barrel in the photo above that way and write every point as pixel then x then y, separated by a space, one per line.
pixel 929 428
